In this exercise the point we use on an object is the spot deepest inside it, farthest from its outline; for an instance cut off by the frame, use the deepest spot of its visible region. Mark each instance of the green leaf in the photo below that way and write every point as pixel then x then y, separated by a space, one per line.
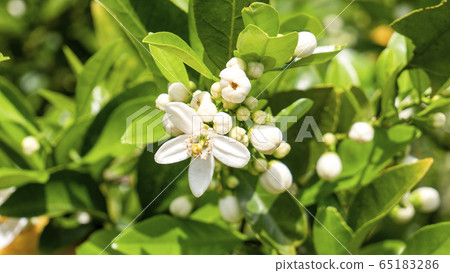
pixel 18 177
pixel 302 22
pixel 170 66
pixel 172 44
pixel 3 58
pixel 279 220
pixel 218 25
pixel 341 73
pixel 298 109
pixel 165 235
pixel 66 191
pixel 75 64
pixel 255 45
pixel 387 247
pixel 388 188
pixel 430 240
pixel 97 243
pixel 263 16
pixel 322 54
pixel 59 100
pixel 429 29
pixel 331 234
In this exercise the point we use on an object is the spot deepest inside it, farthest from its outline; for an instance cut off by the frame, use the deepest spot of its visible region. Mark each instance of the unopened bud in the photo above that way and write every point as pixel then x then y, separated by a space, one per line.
pixel 277 178
pixel 402 215
pixel 237 133
pixel 228 105
pixel 251 102
pixel 216 90
pixel 260 165
pixel 329 139
pixel 162 101
pixel 282 150
pixel 30 145
pixel 232 181
pixel 242 113
pixel 181 207
pixel 255 70
pixel 306 44
pixel 425 199
pixel 207 111
pixel 361 132
pixel 178 92
pixel 236 62
pixel 329 166
pixel 265 138
pixel 259 117
pixel 439 120
pixel 192 85
pixel 222 123
pixel 229 209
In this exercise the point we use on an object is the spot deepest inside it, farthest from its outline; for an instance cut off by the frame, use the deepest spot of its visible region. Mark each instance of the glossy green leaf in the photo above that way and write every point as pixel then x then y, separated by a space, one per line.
pixel 263 16
pixel 341 73
pixel 321 54
pixel 59 100
pixel 387 247
pixel 167 235
pixel 170 66
pixel 97 243
pixel 430 240
pixel 297 109
pixel 302 22
pixel 18 177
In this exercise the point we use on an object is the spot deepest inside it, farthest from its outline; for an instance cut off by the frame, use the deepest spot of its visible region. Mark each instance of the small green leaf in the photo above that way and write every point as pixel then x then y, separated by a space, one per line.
pixel 3 58
pixel 75 64
pixel 430 240
pixel 18 177
pixel 97 242
pixel 321 54
pixel 263 16
pixel 59 100
pixel 298 109
pixel 170 66
pixel 302 22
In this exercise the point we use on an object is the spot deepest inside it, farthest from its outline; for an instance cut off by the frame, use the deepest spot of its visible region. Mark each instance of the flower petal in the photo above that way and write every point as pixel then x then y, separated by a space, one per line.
pixel 184 117
pixel 200 174
pixel 172 151
pixel 230 151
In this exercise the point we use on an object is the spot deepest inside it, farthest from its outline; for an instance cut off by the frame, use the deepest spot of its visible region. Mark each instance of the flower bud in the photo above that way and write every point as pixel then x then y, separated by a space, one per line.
pixel 162 101
pixel 235 84
pixel 277 178
pixel 439 120
pixel 192 85
pixel 265 138
pixel 282 150
pixel 169 127
pixel 232 181
pixel 329 139
pixel 251 102
pixel 245 140
pixel 222 123
pixel 255 70
pixel 409 159
pixel 260 165
pixel 425 199
pixel 30 145
pixel 329 166
pixel 237 133
pixel 83 218
pixel 242 113
pixel 229 209
pixel 181 207
pixel 178 92
pixel 216 90
pixel 361 132
pixel 207 111
pixel 402 215
pixel 228 105
pixel 259 117
pixel 200 97
pixel 236 62
pixel 306 44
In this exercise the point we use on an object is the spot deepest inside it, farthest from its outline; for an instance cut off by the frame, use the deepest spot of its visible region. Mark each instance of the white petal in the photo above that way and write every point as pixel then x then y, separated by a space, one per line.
pixel 200 174
pixel 230 151
pixel 9 229
pixel 172 151
pixel 184 117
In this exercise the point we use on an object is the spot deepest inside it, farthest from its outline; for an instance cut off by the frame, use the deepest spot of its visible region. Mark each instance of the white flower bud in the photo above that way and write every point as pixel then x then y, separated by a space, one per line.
pixel 282 150
pixel 222 123
pixel 242 113
pixel 402 215
pixel 236 62
pixel 259 117
pixel 361 132
pixel 216 90
pixel 245 140
pixel 162 101
pixel 277 178
pixel 207 111
pixel 83 218
pixel 181 207
pixel 200 97
pixel 255 70
pixel 229 105
pixel 329 139
pixel 229 209
pixel 30 145
pixel 237 133
pixel 169 127
pixel 235 84
pixel 439 120
pixel 260 165
pixel 329 166
pixel 232 182
pixel 425 199
pixel 251 102
pixel 192 85
pixel 265 138
pixel 306 44
pixel 409 159
pixel 179 92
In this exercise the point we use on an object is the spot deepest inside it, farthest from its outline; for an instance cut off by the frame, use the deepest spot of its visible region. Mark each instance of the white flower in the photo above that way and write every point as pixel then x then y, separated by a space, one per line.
pixel 425 199
pixel 259 117
pixel 9 229
pixel 229 208
pixel 30 145
pixel 162 101
pixel 329 166
pixel 260 165
pixel 282 150
pixel 169 127
pixel 222 123
pixel 402 215
pixel 216 90
pixel 207 111
pixel 235 84
pixel 178 92
pixel 200 97
pixel 361 132
pixel 255 70
pixel 251 102
pixel 439 120
pixel 236 62
pixel 242 113
pixel 181 207
pixel 202 145
pixel 306 44
pixel 265 138
pixel 277 178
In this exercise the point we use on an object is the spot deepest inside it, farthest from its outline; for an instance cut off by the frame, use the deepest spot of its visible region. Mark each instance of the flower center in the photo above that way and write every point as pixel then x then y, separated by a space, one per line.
pixel 233 85
pixel 199 144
